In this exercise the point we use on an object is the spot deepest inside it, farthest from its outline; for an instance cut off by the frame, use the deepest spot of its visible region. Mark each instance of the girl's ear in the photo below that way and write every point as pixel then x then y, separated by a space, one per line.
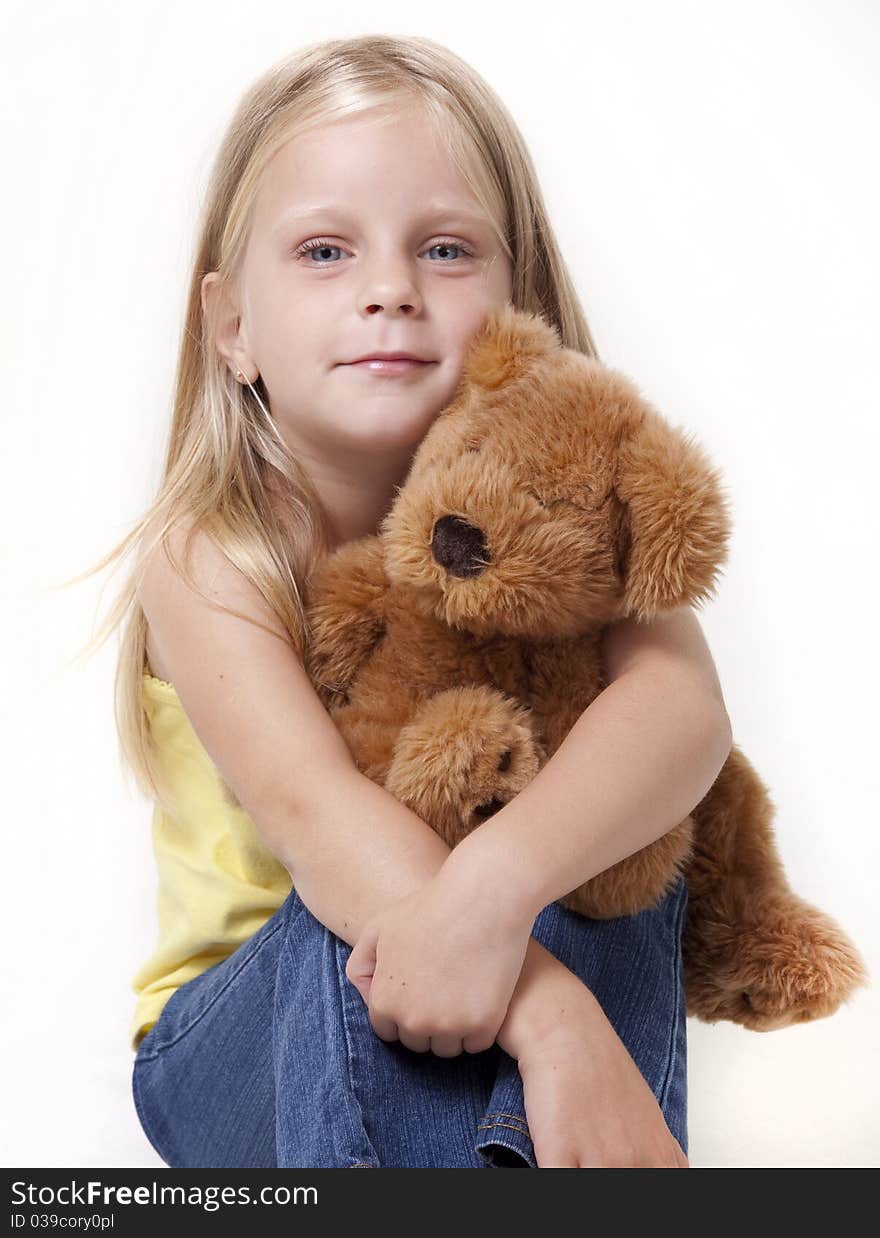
pixel 225 325
pixel 510 339
pixel 672 523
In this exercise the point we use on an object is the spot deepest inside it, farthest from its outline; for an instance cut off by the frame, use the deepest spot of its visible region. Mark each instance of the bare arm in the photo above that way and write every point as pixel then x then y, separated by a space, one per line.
pixel 350 847
pixel 639 758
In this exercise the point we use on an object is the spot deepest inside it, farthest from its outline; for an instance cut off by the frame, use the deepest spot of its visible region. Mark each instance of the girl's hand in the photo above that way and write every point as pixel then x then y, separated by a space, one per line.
pixel 587 1103
pixel 437 969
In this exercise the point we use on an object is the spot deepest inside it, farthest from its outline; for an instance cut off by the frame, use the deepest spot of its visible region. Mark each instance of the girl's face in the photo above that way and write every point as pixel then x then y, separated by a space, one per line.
pixel 365 237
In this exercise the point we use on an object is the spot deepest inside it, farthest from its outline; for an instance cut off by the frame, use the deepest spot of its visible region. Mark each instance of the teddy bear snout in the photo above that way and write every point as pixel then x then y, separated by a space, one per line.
pixel 459 547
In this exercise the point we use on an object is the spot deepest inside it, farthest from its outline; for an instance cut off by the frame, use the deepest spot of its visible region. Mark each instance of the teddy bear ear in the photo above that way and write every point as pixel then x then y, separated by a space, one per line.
pixel 510 339
pixel 674 520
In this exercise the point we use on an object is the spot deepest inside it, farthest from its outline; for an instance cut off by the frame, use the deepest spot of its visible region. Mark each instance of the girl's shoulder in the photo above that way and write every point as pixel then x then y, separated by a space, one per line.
pixel 156 667
pixel 165 595
pixel 245 692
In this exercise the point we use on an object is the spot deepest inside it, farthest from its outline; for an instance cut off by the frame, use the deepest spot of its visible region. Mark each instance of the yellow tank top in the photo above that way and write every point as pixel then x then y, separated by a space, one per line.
pixel 217 881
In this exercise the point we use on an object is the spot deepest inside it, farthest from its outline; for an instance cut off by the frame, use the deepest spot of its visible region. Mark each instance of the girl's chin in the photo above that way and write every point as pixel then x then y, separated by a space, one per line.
pixel 386 446
pixel 389 432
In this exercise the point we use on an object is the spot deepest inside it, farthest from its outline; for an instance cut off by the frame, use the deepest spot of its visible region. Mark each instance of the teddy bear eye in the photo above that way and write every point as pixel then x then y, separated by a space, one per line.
pixel 547 503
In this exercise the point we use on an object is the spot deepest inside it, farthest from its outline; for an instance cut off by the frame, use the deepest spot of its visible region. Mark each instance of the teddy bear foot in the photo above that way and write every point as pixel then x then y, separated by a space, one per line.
pixel 467 752
pixel 793 965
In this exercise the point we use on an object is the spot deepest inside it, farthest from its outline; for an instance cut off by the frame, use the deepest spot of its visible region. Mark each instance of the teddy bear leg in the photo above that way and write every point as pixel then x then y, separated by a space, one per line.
pixel 754 952
pixel 790 963
pixel 466 752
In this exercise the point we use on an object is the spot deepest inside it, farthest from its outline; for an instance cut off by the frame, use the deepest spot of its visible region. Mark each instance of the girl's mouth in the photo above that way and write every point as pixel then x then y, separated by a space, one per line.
pixel 377 365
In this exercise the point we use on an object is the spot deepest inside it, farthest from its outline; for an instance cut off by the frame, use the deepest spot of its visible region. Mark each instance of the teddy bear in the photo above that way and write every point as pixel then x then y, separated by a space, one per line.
pixel 456 648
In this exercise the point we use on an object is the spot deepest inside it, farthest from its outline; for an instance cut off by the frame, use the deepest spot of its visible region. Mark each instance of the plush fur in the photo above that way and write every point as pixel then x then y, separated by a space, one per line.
pixel 456 649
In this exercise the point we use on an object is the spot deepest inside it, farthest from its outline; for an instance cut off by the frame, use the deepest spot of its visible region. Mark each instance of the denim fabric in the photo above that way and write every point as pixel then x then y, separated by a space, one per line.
pixel 268 1059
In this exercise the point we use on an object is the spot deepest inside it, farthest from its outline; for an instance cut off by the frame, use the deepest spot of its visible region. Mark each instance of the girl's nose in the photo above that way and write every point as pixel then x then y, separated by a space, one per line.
pixel 390 286
pixel 405 307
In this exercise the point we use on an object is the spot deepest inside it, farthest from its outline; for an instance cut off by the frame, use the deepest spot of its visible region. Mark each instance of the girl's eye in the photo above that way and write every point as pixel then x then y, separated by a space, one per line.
pixel 452 245
pixel 315 245
pixel 322 245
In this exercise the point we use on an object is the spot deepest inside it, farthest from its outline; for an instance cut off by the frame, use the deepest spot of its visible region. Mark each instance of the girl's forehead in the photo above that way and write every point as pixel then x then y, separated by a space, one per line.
pixel 368 150
pixel 358 138
pixel 298 189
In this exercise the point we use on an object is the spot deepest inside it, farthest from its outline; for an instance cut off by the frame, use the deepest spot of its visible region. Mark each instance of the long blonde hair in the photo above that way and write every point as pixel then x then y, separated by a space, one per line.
pixel 224 458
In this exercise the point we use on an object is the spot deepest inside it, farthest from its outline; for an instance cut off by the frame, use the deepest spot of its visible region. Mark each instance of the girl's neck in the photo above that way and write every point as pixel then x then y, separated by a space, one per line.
pixel 354 506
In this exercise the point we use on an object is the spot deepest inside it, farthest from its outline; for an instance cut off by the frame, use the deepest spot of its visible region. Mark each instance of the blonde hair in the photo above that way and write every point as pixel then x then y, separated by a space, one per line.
pixel 224 457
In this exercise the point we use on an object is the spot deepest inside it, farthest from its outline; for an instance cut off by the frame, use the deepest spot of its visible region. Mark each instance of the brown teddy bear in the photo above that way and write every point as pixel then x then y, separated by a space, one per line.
pixel 456 649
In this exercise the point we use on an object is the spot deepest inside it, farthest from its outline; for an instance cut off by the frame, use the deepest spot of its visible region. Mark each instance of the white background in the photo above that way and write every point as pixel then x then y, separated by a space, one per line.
pixel 711 171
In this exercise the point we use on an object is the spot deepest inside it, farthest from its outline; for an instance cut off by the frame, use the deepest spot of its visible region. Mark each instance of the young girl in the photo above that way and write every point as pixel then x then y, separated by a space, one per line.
pixel 372 197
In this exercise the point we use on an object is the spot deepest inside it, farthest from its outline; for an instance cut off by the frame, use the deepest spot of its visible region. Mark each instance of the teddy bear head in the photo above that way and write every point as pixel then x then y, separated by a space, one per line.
pixel 550 497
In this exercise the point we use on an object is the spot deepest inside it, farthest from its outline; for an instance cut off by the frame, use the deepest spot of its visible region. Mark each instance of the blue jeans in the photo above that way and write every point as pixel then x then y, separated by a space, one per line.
pixel 268 1059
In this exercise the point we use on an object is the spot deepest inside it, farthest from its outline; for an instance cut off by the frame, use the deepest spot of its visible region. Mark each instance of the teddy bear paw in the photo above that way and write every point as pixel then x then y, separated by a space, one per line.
pixel 466 753
pixel 794 966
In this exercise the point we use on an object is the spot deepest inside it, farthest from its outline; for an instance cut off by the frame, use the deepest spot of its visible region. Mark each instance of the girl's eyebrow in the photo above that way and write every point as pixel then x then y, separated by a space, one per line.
pixel 435 210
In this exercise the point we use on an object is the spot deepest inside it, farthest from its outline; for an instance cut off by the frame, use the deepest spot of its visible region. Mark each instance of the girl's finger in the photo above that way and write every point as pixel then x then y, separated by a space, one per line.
pixel 363 986
pixel 384 1027
pixel 447 1046
pixel 361 962
pixel 418 1044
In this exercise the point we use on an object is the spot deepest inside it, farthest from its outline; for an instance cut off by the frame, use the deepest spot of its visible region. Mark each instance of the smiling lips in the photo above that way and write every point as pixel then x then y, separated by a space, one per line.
pixel 390 366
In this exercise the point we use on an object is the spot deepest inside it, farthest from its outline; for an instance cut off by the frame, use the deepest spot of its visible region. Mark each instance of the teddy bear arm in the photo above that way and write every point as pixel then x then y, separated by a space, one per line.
pixel 466 751
pixel 346 615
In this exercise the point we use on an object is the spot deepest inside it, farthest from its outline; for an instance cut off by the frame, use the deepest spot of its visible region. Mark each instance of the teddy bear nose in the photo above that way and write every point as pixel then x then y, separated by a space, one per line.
pixel 459 546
